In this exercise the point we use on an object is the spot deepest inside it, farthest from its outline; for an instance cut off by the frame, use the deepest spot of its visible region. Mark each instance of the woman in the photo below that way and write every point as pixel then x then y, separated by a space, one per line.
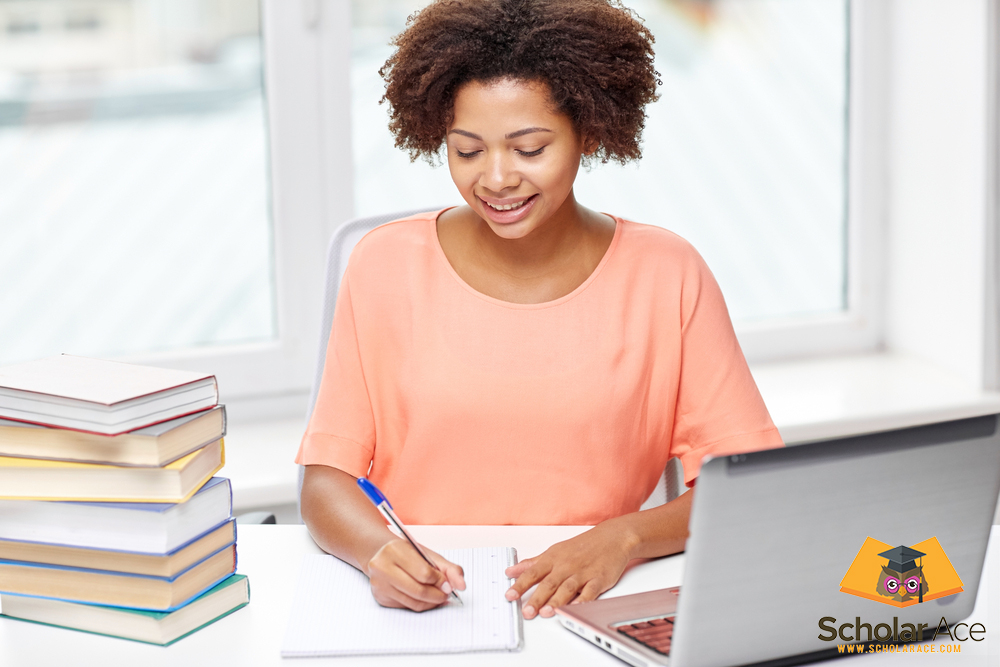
pixel 521 359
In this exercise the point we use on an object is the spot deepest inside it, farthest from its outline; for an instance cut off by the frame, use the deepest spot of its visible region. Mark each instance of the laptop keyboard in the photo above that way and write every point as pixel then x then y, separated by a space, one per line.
pixel 655 633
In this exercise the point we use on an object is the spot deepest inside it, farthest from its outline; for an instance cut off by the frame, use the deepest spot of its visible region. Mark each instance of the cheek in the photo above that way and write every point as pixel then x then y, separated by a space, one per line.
pixel 556 177
pixel 462 175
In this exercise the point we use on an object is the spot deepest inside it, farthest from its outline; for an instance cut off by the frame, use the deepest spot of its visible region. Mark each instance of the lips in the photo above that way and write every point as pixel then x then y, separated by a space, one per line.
pixel 506 211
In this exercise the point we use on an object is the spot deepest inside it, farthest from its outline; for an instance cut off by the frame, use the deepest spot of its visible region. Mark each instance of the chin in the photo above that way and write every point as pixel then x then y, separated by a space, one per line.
pixel 509 232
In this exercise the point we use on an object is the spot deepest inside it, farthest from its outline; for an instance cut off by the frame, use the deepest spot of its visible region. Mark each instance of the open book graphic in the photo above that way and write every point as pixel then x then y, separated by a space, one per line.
pixel 334 613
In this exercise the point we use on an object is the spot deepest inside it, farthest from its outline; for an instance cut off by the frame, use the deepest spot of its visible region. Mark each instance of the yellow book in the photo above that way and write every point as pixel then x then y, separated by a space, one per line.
pixel 39 479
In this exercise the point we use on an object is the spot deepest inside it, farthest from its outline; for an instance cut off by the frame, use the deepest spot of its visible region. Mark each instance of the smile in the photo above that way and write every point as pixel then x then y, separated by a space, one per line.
pixel 507 207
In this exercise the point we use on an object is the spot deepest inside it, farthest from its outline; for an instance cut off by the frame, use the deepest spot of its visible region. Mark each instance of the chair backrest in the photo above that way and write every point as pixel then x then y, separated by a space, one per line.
pixel 337 254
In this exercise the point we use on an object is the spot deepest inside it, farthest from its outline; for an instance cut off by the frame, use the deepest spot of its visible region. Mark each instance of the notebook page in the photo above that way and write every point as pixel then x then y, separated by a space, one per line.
pixel 334 613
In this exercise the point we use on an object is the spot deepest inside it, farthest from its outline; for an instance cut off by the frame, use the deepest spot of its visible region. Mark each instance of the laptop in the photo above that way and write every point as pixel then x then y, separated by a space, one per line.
pixel 793 551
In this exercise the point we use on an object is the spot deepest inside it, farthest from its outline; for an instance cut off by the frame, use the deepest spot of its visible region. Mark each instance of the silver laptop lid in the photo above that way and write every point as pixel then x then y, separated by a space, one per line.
pixel 774 533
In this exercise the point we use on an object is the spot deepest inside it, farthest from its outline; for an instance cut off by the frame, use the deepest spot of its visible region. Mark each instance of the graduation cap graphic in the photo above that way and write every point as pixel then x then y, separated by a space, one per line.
pixel 901 576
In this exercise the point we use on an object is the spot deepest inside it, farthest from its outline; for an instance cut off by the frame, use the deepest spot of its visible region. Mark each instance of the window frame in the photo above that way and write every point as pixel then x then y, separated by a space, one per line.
pixel 307 47
pixel 860 326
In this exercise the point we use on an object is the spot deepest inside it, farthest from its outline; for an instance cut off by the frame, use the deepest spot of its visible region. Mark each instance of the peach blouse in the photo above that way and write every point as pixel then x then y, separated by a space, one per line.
pixel 465 409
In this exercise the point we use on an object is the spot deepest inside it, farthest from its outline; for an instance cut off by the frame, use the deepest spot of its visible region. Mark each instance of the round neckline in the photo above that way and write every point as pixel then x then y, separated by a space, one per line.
pixel 439 251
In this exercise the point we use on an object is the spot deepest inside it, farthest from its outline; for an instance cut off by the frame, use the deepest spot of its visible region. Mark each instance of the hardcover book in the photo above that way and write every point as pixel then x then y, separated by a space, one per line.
pixel 115 588
pixel 38 479
pixel 152 627
pixel 155 565
pixel 153 446
pixel 144 528
pixel 100 396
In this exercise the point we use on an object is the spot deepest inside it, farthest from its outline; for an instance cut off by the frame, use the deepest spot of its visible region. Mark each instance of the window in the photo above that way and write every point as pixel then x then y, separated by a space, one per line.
pixel 250 180
pixel 746 155
pixel 133 153
pixel 162 197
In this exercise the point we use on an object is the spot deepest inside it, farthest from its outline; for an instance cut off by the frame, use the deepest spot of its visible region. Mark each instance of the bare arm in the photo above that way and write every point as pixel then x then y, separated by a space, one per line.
pixel 340 518
pixel 346 524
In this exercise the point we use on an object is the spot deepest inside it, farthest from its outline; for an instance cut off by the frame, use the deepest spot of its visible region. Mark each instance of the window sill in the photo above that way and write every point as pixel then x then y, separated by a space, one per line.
pixel 808 399
pixel 839 396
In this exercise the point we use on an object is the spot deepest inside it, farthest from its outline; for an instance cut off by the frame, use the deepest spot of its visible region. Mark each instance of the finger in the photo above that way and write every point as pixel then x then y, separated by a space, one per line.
pixel 514 571
pixel 454 574
pixel 527 579
pixel 396 599
pixel 589 592
pixel 406 557
pixel 541 596
pixel 403 582
pixel 400 567
pixel 567 591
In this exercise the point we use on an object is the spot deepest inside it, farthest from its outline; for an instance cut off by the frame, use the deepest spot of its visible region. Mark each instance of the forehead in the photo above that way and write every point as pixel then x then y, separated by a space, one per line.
pixel 506 105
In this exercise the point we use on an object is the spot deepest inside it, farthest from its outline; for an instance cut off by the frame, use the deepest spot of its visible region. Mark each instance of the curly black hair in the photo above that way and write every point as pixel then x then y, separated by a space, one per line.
pixel 596 57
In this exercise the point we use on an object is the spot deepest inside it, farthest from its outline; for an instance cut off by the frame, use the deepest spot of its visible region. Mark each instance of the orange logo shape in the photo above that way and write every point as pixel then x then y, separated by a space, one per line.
pixel 901 576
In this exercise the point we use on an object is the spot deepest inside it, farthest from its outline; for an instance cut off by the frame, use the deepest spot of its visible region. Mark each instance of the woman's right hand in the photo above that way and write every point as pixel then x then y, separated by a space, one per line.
pixel 401 578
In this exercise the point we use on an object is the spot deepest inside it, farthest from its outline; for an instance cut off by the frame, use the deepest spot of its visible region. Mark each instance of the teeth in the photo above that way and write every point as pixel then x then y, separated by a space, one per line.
pixel 507 207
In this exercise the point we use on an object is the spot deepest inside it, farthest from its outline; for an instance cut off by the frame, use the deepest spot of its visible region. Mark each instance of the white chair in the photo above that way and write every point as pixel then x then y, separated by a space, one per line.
pixel 337 254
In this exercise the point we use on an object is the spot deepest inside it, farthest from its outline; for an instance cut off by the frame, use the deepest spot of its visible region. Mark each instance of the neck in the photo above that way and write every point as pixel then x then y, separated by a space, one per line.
pixel 545 248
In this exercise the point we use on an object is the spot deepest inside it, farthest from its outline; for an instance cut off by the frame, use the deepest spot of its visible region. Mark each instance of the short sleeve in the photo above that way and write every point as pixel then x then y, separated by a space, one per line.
pixel 341 431
pixel 719 409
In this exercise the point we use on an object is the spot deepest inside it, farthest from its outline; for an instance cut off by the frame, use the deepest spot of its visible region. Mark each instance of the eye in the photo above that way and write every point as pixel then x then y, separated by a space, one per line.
pixel 912 584
pixel 531 153
pixel 467 155
pixel 891 584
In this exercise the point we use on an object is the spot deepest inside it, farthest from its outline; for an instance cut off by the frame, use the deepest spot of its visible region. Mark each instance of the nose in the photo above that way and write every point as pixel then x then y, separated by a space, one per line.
pixel 499 173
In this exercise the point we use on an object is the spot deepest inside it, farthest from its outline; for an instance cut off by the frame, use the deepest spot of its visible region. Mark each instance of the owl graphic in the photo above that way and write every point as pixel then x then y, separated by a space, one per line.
pixel 903 578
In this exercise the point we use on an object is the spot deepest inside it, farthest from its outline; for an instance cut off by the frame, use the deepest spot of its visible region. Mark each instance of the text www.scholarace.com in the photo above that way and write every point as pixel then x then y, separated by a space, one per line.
pixel 903 648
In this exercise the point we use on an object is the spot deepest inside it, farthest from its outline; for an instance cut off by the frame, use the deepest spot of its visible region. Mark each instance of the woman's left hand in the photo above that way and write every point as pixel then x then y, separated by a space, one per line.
pixel 578 569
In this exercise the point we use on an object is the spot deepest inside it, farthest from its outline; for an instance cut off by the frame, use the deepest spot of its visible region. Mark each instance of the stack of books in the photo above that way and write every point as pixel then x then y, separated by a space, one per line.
pixel 110 518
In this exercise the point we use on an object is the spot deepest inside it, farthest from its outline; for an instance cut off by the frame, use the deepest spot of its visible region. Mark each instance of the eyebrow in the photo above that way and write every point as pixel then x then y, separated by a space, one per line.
pixel 512 135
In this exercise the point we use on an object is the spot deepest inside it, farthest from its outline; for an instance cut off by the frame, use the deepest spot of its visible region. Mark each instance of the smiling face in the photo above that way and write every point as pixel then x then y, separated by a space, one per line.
pixel 513 155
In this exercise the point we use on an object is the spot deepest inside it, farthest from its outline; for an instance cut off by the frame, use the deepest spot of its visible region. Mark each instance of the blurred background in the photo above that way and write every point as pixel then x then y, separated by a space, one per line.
pixel 133 141
pixel 171 171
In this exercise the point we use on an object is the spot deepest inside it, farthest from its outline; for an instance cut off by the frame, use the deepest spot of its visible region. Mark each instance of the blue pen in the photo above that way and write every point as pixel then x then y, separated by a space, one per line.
pixel 382 503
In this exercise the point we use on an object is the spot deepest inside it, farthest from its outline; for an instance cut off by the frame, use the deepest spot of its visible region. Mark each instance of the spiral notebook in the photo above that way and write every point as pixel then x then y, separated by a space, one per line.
pixel 334 613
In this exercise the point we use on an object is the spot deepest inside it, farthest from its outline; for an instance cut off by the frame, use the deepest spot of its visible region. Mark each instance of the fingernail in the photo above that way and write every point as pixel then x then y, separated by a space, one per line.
pixel 511 595
pixel 547 611
pixel 529 611
pixel 446 587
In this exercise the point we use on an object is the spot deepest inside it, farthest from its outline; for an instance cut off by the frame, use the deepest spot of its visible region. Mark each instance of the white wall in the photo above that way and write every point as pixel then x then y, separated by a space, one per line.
pixel 937 236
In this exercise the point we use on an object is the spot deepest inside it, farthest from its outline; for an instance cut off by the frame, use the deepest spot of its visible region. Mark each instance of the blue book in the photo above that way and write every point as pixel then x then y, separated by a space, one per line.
pixel 154 565
pixel 146 528
pixel 153 627
pixel 117 589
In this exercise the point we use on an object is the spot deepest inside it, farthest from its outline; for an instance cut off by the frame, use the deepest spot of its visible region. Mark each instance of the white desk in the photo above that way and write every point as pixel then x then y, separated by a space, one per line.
pixel 270 556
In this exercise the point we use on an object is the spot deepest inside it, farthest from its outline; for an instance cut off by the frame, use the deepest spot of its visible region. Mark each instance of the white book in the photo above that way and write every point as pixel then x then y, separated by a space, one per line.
pixel 142 528
pixel 334 613
pixel 100 396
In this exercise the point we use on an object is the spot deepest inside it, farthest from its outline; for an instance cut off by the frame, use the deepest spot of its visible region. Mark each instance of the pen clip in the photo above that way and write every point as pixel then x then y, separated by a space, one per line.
pixel 373 493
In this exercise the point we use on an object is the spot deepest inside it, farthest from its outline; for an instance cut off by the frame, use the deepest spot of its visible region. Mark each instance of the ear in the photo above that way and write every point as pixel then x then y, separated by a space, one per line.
pixel 886 571
pixel 590 145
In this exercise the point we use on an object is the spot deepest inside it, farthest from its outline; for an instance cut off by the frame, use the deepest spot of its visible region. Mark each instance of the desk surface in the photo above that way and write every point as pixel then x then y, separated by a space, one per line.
pixel 270 556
